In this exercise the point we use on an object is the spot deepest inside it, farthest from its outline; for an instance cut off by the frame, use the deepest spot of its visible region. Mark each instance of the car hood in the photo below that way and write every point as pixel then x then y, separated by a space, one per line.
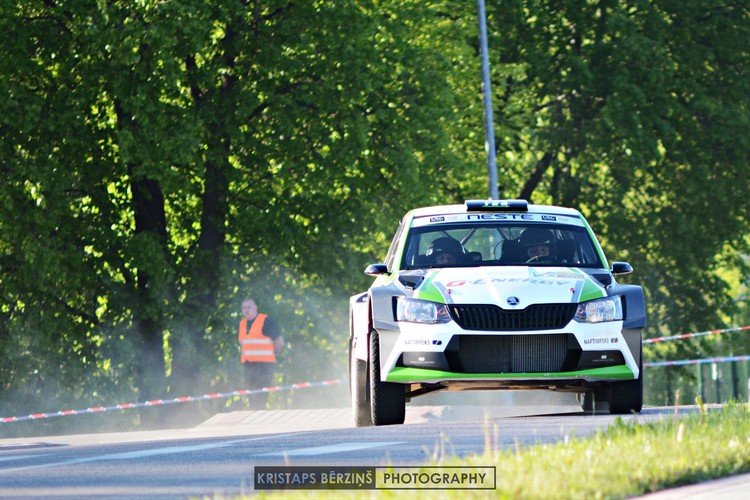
pixel 514 287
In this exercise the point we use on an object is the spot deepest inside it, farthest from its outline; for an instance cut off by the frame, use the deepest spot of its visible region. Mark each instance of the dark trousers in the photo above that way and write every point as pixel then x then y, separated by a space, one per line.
pixel 258 376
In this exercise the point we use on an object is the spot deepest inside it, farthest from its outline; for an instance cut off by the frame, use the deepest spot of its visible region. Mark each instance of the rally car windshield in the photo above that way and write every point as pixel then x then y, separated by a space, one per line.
pixel 470 245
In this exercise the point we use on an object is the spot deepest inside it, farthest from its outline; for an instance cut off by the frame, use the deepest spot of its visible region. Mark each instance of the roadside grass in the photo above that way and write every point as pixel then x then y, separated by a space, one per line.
pixel 629 459
pixel 625 460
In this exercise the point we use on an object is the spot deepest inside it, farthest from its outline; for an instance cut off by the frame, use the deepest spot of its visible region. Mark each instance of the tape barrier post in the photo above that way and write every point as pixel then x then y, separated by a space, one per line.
pixel 158 402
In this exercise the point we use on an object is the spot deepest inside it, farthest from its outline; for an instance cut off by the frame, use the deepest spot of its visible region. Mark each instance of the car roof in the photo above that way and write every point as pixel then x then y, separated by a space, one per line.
pixel 462 209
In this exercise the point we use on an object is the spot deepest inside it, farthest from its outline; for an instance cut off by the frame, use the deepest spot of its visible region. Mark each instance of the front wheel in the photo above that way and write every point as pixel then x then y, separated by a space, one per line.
pixel 359 388
pixel 387 399
pixel 626 397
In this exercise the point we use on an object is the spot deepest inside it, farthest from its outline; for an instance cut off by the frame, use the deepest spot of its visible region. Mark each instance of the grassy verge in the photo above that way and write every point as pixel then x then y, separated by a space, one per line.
pixel 626 460
pixel 629 459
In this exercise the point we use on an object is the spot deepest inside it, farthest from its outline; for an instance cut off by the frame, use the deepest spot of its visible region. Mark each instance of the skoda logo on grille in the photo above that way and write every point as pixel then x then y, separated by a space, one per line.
pixel 513 301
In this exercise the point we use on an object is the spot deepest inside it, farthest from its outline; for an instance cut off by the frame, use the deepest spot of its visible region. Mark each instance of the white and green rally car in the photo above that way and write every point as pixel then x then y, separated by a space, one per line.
pixel 495 294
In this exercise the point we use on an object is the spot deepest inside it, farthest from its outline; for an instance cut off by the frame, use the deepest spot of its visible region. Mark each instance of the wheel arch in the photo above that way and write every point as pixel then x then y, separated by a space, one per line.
pixel 360 325
pixel 635 305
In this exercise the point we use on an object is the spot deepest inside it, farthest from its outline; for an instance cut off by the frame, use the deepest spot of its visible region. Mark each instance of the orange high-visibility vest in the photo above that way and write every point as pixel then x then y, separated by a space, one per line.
pixel 256 347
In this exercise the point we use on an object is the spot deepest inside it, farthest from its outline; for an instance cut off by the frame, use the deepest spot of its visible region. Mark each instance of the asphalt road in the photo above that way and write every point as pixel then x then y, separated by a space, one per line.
pixel 218 457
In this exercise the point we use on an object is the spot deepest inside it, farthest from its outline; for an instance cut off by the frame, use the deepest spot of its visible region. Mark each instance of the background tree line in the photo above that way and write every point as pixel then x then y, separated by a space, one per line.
pixel 163 160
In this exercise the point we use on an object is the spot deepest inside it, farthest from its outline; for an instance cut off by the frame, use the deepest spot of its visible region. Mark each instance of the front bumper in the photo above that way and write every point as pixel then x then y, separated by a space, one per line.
pixel 511 354
pixel 578 352
pixel 421 375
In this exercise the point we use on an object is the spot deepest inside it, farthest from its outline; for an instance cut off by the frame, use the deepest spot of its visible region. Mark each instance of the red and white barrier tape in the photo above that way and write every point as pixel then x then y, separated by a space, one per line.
pixel 304 385
pixel 697 361
pixel 157 402
pixel 699 334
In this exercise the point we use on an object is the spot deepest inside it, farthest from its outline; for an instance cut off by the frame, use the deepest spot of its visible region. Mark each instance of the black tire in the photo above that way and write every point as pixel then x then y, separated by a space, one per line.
pixel 587 401
pixel 595 401
pixel 627 397
pixel 359 389
pixel 387 399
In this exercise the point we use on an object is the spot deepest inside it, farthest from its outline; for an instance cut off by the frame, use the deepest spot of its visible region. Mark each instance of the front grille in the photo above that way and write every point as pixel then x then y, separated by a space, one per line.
pixel 493 318
pixel 529 353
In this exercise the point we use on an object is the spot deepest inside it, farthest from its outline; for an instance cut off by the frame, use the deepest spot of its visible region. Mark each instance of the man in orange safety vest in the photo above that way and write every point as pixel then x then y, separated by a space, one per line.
pixel 260 340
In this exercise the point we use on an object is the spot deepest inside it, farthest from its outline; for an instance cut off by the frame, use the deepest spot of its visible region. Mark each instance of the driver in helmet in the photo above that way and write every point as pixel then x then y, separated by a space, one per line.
pixel 445 251
pixel 538 244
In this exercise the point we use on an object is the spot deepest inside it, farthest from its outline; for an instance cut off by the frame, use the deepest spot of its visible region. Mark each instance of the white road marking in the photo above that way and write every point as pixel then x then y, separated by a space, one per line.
pixel 15 457
pixel 169 450
pixel 334 448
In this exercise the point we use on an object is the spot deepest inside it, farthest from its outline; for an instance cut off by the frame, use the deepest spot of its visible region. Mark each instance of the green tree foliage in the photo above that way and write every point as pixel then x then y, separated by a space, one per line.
pixel 166 159
pixel 636 113
pixel 163 160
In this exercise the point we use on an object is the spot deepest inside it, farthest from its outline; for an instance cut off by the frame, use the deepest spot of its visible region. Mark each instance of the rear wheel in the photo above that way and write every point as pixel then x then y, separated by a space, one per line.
pixel 387 400
pixel 359 388
pixel 594 400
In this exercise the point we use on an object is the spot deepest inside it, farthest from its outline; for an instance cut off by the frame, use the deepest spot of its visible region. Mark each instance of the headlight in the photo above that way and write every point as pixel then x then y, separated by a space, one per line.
pixel 421 311
pixel 598 311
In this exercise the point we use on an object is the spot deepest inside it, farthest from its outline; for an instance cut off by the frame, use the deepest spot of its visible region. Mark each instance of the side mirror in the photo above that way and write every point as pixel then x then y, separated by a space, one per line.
pixel 376 269
pixel 620 268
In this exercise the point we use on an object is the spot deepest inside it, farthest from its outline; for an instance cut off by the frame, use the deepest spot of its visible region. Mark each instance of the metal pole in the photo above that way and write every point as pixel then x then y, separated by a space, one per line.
pixel 489 143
